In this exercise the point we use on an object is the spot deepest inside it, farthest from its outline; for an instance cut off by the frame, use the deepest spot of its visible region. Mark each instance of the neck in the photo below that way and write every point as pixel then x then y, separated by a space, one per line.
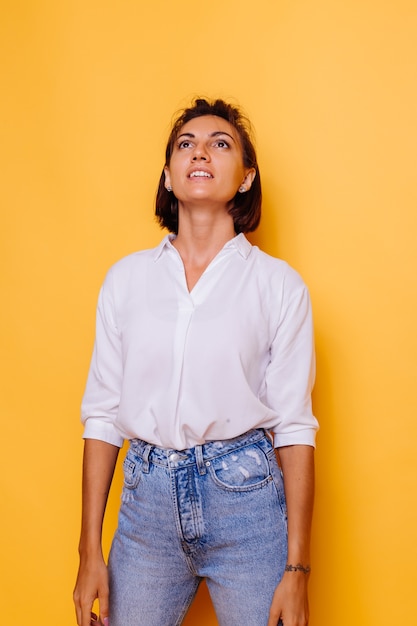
pixel 201 234
pixel 200 237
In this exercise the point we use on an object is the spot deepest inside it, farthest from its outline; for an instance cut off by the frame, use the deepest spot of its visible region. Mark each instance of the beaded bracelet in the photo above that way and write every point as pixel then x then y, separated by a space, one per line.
pixel 297 568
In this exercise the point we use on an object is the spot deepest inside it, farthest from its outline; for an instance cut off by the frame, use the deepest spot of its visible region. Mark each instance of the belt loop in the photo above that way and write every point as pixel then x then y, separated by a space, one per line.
pixel 199 460
pixel 145 458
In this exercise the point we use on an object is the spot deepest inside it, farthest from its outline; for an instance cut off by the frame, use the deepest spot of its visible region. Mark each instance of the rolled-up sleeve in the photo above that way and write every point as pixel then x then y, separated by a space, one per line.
pixel 291 371
pixel 101 398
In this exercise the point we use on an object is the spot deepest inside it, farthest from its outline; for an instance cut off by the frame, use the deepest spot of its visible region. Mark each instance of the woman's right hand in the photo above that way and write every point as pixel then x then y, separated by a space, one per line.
pixel 92 583
pixel 92 580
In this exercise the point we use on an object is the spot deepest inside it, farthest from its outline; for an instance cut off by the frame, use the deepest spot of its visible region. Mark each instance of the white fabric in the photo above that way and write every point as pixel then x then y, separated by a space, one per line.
pixel 177 369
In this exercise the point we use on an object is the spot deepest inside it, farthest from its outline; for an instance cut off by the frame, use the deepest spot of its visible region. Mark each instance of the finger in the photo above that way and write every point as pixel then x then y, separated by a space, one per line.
pixel 87 616
pixel 274 621
pixel 78 614
pixel 77 606
pixel 104 608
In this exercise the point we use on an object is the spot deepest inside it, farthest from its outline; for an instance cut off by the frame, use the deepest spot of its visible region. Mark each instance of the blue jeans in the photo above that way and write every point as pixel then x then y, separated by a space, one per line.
pixel 214 512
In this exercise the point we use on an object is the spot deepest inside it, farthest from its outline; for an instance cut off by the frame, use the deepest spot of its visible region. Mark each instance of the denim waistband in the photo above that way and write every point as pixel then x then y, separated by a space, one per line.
pixel 169 457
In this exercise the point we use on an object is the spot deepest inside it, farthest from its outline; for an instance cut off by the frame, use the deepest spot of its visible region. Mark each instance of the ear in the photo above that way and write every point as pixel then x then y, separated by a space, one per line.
pixel 249 178
pixel 167 177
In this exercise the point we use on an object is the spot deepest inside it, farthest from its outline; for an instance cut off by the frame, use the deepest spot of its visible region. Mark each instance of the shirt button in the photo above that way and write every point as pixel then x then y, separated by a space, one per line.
pixel 173 457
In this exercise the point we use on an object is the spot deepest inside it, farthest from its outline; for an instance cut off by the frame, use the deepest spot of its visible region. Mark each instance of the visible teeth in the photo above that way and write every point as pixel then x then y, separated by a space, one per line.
pixel 200 174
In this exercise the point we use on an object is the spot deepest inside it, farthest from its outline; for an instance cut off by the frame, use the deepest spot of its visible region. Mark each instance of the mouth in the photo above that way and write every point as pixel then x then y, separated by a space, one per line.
pixel 200 174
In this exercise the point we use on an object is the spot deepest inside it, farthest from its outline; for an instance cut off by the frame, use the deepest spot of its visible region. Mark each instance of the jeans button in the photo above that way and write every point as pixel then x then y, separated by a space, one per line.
pixel 173 457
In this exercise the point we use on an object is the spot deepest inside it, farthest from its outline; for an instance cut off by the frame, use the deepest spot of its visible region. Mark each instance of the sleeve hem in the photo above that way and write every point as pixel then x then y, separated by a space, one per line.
pixel 300 438
pixel 103 431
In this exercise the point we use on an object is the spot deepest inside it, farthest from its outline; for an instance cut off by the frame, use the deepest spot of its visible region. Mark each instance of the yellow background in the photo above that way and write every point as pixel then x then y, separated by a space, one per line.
pixel 88 91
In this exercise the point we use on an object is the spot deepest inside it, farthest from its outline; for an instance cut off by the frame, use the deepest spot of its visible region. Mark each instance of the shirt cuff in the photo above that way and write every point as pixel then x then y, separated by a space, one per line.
pixel 305 437
pixel 102 430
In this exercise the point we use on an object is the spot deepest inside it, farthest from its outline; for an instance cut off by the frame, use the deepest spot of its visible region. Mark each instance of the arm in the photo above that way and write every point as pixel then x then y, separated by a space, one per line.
pixel 290 601
pixel 92 581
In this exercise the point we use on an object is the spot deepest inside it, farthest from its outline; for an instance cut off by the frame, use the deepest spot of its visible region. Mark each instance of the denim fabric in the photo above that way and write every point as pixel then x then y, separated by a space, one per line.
pixel 216 511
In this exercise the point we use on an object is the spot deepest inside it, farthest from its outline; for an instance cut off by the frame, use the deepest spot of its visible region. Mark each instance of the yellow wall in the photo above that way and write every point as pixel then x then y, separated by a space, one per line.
pixel 89 90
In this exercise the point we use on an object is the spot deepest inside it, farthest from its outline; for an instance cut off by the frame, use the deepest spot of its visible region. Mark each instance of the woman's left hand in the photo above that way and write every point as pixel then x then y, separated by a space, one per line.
pixel 290 601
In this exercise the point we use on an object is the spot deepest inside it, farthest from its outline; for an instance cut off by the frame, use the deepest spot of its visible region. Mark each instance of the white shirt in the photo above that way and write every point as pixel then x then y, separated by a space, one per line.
pixel 178 368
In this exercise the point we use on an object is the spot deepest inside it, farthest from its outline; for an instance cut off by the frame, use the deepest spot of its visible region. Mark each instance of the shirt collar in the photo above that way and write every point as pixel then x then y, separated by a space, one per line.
pixel 240 243
pixel 166 241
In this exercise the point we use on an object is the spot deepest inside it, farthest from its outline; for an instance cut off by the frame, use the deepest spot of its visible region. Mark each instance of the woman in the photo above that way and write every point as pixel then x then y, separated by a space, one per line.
pixel 204 360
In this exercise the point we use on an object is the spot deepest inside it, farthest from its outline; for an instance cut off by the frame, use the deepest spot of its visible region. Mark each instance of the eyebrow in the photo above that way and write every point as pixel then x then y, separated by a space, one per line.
pixel 216 133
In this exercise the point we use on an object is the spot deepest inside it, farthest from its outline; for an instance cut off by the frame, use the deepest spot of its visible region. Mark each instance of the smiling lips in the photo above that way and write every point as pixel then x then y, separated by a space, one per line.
pixel 200 174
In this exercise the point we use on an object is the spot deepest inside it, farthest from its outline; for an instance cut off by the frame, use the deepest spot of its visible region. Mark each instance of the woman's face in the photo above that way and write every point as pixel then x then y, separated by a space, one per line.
pixel 207 162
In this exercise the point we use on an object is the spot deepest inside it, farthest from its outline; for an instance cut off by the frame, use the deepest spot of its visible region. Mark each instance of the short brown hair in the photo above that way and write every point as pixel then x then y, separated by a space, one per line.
pixel 246 209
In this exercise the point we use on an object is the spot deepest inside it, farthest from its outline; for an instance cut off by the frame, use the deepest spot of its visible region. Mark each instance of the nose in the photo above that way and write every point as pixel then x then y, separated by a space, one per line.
pixel 200 153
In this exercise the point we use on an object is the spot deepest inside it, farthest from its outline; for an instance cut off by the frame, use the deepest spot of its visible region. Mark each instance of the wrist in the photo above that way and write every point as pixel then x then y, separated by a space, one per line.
pixel 87 549
pixel 298 567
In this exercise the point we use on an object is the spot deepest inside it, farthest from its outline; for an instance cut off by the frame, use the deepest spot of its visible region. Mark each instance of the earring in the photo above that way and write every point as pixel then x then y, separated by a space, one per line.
pixel 168 188
pixel 242 189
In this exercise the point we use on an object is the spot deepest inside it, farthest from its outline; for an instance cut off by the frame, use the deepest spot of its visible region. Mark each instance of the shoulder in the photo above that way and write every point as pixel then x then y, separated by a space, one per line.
pixel 133 264
pixel 128 276
pixel 284 292
pixel 276 271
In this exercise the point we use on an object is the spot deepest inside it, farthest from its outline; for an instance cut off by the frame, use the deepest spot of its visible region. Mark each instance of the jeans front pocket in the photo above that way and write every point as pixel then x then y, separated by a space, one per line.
pixel 278 479
pixel 132 470
pixel 243 469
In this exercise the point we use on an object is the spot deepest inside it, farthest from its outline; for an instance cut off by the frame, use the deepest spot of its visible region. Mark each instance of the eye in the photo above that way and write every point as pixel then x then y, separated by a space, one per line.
pixel 221 143
pixel 186 143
